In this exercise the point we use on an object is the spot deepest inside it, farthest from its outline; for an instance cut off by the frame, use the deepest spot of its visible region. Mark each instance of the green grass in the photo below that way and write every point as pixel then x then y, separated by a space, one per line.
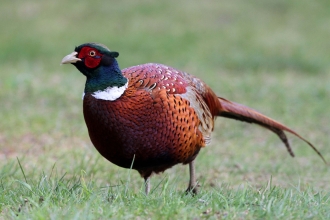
pixel 270 55
pixel 77 199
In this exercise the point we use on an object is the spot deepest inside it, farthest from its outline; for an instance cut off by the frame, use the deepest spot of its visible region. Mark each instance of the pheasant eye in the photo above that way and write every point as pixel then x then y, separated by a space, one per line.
pixel 92 53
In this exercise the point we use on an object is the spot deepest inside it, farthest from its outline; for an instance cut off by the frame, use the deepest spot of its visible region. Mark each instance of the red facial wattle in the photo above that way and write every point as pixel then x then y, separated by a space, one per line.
pixel 90 56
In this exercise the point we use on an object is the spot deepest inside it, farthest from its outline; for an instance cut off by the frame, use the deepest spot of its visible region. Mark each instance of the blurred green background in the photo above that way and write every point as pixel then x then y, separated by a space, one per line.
pixel 270 55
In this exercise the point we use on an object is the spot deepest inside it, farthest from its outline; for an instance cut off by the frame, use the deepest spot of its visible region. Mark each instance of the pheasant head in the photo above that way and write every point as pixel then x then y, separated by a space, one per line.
pixel 103 76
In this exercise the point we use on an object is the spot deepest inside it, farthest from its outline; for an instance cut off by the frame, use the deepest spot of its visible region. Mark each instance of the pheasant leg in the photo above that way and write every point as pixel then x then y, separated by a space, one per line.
pixel 192 182
pixel 147 185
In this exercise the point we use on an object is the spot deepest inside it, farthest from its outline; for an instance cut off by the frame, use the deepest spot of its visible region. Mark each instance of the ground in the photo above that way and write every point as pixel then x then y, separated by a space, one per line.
pixel 271 56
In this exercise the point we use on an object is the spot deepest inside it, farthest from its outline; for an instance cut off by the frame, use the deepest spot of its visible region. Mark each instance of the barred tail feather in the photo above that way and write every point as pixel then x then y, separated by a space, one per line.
pixel 240 112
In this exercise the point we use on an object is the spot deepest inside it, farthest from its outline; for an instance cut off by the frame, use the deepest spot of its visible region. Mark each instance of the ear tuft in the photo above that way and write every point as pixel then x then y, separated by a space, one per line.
pixel 114 54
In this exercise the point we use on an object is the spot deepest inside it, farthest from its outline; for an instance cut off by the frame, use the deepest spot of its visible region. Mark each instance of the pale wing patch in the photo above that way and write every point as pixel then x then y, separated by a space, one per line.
pixel 202 110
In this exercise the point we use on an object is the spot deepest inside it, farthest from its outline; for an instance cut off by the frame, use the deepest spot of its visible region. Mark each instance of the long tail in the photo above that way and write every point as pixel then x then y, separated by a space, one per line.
pixel 240 112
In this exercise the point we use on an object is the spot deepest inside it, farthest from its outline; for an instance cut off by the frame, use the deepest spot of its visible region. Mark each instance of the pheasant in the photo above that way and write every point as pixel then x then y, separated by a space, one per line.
pixel 151 117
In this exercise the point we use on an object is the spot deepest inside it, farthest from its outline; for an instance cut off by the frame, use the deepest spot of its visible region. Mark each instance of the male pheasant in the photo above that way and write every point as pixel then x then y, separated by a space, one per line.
pixel 151 117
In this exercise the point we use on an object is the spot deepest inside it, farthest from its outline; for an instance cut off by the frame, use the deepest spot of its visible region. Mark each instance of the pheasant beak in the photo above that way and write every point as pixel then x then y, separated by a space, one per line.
pixel 70 58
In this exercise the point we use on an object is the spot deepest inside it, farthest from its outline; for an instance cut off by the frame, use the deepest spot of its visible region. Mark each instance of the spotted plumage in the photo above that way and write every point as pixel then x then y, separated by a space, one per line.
pixel 153 116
